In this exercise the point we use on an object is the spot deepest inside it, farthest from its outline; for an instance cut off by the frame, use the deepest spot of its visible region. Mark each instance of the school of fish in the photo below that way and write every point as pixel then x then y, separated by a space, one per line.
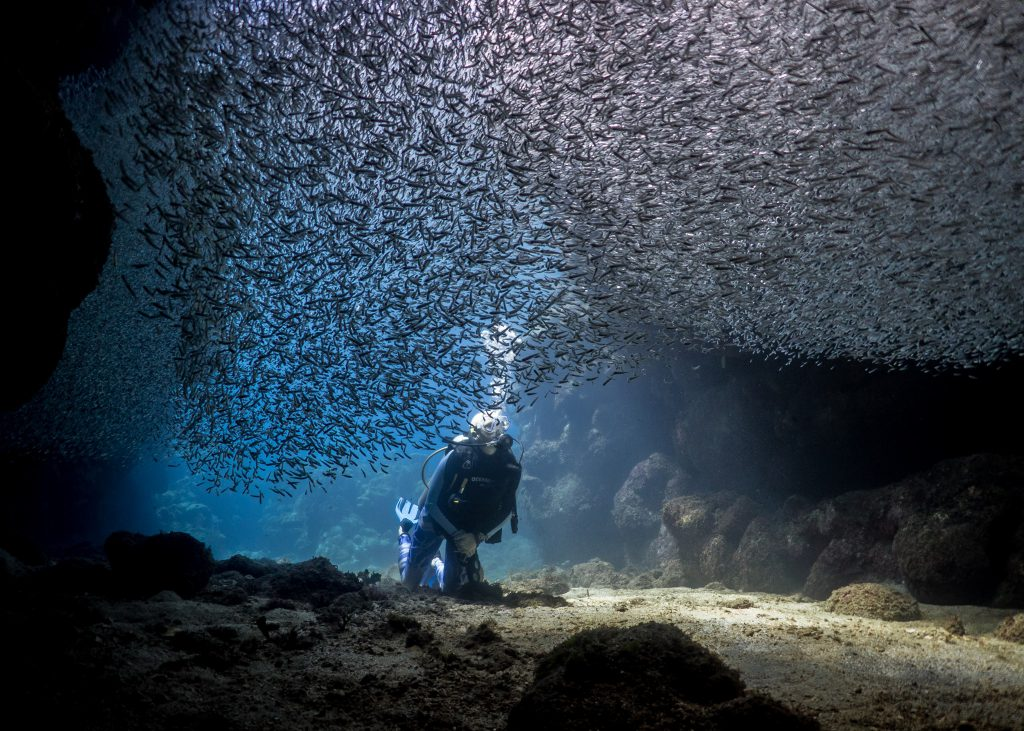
pixel 362 219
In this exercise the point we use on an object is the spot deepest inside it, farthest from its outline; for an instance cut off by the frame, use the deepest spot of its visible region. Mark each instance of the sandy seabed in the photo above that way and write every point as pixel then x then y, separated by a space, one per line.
pixel 421 661
pixel 848 672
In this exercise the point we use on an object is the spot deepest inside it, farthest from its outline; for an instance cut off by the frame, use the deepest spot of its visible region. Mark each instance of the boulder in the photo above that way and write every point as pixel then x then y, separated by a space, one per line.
pixel 650 676
pixel 565 515
pixel 637 506
pixel 957 542
pixel 775 554
pixel 229 588
pixel 875 601
pixel 317 582
pixel 707 530
pixel 247 566
pixel 848 559
pixel 145 565
pixel 1010 592
pixel 596 573
pixel 74 576
pixel 857 529
pixel 1011 629
pixel 944 563
pixel 549 580
pixel 10 568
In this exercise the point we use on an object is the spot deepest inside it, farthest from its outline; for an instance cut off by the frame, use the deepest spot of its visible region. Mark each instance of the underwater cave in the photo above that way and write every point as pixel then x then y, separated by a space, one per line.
pixel 745 280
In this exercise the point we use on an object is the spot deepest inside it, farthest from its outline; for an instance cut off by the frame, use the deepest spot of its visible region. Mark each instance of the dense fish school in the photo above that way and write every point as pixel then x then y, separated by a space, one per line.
pixel 352 222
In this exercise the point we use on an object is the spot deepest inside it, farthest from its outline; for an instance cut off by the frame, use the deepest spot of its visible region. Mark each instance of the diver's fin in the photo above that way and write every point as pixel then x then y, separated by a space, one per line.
pixel 407 510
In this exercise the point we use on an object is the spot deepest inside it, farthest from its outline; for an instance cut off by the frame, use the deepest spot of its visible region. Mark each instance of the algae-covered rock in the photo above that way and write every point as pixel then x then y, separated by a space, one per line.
pixel 1010 592
pixel 637 505
pixel 247 566
pixel 775 554
pixel 144 565
pixel 955 545
pixel 847 559
pixel 1011 629
pixel 955 626
pixel 856 529
pixel 944 563
pixel 316 581
pixel 651 654
pixel 875 601
pixel 707 530
pixel 650 676
pixel 597 573
pixel 756 711
pixel 669 575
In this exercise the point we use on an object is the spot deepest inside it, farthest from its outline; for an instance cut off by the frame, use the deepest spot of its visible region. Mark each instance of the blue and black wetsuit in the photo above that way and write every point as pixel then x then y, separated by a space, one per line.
pixel 470 492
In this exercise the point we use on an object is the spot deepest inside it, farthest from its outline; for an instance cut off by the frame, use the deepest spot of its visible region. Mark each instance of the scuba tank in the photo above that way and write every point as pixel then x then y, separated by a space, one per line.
pixel 465 442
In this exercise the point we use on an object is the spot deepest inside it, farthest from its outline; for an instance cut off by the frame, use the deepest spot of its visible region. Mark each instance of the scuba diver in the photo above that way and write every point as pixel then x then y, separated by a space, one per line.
pixel 470 496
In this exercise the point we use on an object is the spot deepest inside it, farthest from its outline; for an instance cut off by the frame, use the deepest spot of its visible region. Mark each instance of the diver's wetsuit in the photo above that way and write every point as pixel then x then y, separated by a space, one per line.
pixel 470 492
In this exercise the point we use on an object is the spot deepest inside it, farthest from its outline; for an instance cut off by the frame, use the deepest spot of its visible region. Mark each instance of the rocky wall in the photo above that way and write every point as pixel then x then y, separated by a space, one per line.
pixel 61 216
pixel 951 535
pixel 768 477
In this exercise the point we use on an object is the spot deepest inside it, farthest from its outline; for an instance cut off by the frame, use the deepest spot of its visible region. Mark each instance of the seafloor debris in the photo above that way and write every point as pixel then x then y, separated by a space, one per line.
pixel 875 601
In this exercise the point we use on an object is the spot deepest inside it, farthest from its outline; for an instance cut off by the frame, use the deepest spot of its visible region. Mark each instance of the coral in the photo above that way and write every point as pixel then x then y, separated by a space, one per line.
pixel 874 601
